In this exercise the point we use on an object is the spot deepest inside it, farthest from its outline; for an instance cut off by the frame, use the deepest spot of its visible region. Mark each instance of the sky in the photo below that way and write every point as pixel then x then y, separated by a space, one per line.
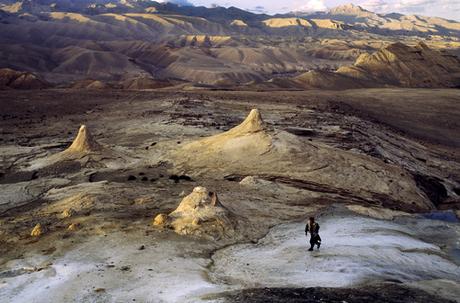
pixel 449 9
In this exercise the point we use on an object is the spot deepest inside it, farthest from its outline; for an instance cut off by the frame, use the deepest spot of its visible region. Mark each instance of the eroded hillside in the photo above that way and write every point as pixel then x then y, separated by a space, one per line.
pixel 68 42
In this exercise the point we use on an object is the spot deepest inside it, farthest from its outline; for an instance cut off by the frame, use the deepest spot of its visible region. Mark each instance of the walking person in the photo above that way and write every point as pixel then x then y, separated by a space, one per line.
pixel 313 228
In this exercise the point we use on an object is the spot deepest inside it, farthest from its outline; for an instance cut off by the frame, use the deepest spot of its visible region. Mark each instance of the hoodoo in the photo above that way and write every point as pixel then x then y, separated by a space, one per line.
pixel 83 143
pixel 200 213
pixel 252 124
pixel 84 149
pixel 249 139
pixel 254 149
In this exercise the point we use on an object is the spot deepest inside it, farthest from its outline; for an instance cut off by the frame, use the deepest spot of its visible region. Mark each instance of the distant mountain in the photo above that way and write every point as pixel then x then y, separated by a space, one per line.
pixel 92 7
pixel 389 24
pixel 62 41
pixel 401 65
pixel 396 65
pixel 351 10
pixel 350 15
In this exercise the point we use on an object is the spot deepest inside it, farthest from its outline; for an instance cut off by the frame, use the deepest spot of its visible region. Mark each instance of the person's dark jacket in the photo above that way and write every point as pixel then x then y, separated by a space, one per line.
pixel 314 230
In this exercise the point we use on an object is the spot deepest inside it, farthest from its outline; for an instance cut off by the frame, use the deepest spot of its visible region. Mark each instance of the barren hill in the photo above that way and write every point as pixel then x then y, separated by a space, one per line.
pixel 67 41
pixel 402 65
pixel 389 24
pixel 20 80
pixel 394 65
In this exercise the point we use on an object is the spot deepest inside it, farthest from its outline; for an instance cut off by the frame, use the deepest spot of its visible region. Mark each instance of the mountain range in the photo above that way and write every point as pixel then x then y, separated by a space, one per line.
pixel 69 41
pixel 233 19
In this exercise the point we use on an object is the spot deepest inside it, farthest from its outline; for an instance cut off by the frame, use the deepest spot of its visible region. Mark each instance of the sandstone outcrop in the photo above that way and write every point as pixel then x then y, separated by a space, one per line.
pixel 200 213
pixel 84 149
pixel 73 227
pixel 67 213
pixel 37 231
pixel 253 149
pixel 83 143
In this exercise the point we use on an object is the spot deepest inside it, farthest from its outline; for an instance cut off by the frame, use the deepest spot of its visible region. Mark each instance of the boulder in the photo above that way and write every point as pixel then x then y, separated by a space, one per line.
pixel 67 213
pixel 73 227
pixel 160 220
pixel 37 231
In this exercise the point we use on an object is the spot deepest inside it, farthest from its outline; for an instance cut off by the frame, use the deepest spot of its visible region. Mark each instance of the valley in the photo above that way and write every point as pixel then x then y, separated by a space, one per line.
pixel 170 152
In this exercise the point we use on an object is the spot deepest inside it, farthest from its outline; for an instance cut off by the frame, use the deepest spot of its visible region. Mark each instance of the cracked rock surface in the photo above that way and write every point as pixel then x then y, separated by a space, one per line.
pixel 378 168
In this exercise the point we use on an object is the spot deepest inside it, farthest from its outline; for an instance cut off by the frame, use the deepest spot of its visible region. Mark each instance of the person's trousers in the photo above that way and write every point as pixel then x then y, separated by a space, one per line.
pixel 314 240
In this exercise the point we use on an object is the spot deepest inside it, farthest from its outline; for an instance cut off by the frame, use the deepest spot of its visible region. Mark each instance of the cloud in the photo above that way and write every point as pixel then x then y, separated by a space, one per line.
pixel 311 6
pixel 442 8
pixel 413 6
pixel 409 6
pixel 376 5
pixel 178 2
pixel 258 9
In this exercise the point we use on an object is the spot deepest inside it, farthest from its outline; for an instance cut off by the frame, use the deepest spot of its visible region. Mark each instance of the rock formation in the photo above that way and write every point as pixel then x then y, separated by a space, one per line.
pixel 73 227
pixel 200 213
pixel 67 213
pixel 83 149
pixel 160 220
pixel 37 231
pixel 247 139
pixel 252 124
pixel 251 148
pixel 83 143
